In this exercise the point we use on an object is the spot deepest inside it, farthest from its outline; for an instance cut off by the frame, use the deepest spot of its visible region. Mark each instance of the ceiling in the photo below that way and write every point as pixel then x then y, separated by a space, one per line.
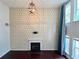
pixel 39 3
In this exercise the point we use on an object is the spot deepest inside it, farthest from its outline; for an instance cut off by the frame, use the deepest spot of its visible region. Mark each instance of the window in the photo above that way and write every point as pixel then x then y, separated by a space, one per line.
pixel 76 10
pixel 75 49
pixel 67 12
pixel 67 21
pixel 67 41
pixel 71 44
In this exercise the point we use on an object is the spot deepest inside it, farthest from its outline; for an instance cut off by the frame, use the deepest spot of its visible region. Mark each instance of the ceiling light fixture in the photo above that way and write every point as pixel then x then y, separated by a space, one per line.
pixel 31 7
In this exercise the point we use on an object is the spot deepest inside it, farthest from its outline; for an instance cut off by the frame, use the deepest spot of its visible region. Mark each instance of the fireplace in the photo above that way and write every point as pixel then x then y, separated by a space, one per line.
pixel 35 47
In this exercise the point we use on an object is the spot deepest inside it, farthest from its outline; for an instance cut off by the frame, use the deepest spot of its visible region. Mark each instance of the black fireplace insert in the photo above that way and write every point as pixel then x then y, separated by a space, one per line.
pixel 35 47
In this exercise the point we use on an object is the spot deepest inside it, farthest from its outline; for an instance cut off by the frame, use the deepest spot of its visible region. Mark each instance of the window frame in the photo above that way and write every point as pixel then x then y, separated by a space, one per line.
pixel 67 15
pixel 75 11
pixel 68 54
pixel 74 47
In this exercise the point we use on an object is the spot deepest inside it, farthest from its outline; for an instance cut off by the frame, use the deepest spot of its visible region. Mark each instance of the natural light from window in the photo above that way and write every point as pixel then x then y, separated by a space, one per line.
pixel 67 41
pixel 67 13
pixel 76 48
pixel 67 21
pixel 76 10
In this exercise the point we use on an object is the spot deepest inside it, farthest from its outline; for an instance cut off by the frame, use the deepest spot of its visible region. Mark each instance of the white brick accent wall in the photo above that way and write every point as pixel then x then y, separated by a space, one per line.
pixel 23 24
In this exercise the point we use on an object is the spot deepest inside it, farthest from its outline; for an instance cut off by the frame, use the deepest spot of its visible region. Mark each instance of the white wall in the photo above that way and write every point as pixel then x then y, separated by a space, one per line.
pixel 4 30
pixel 45 21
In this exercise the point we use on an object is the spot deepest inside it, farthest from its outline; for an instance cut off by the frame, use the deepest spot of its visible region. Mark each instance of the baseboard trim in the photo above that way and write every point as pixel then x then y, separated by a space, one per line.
pixel 67 56
pixel 30 51
pixel 4 54
pixel 49 51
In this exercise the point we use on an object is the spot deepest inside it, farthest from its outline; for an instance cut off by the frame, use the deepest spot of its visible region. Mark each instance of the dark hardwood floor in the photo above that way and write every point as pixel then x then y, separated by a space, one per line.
pixel 32 55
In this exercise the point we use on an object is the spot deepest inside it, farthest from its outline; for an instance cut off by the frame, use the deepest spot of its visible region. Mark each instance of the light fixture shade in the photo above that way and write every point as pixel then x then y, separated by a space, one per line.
pixel 31 7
